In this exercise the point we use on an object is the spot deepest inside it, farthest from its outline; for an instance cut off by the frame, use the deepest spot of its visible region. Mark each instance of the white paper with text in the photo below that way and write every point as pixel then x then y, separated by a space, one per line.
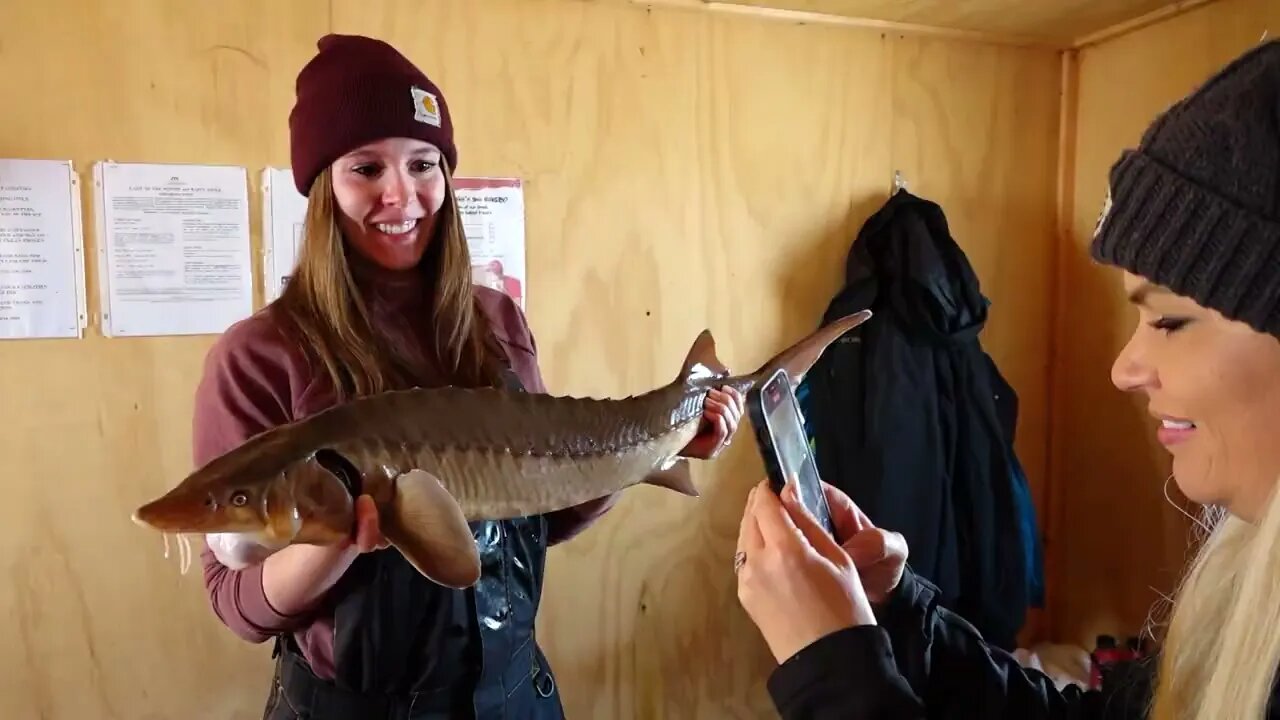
pixel 283 210
pixel 42 291
pixel 174 250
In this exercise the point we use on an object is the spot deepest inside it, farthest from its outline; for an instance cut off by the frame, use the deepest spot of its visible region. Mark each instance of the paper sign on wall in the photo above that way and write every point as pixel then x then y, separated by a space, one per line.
pixel 174 248
pixel 42 291
pixel 493 220
pixel 283 210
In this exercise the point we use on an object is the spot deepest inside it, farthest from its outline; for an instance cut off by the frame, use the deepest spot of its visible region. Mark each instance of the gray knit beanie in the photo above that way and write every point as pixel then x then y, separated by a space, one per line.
pixel 1196 206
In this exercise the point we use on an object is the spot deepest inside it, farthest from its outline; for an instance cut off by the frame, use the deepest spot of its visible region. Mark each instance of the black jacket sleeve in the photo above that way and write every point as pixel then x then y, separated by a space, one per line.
pixel 923 661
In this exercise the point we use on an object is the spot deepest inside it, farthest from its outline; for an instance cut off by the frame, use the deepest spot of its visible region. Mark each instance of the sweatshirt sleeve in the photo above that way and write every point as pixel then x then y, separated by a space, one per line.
pixel 513 327
pixel 847 675
pixel 923 661
pixel 244 390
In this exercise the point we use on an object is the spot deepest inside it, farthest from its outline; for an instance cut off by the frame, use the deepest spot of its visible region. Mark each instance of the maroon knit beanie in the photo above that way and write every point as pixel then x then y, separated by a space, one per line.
pixel 358 90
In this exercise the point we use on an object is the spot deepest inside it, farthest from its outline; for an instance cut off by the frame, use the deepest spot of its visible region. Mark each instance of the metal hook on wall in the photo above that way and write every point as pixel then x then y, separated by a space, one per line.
pixel 899 183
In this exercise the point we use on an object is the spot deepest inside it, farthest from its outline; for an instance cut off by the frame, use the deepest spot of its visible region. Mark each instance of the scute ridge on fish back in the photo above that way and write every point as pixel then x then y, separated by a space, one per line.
pixel 486 418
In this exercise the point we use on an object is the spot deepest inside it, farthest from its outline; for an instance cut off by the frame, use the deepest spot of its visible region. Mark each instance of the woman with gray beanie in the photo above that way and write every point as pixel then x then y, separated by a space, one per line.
pixel 1192 221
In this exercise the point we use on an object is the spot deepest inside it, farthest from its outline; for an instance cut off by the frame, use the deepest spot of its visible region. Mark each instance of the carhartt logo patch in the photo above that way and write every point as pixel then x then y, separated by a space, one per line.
pixel 1102 216
pixel 426 107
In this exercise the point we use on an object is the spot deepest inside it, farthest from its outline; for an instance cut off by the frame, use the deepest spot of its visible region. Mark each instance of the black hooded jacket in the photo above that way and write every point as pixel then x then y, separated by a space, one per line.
pixel 912 420
pixel 922 661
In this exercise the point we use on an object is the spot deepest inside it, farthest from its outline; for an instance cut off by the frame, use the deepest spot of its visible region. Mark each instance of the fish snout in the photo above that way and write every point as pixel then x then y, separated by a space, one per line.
pixel 165 514
pixel 195 511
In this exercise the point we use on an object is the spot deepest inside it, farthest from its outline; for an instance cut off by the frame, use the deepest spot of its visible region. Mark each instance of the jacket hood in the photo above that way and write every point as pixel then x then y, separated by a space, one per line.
pixel 920 275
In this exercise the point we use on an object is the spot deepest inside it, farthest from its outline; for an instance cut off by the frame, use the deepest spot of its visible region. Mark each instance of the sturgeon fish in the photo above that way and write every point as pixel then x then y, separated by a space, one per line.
pixel 433 459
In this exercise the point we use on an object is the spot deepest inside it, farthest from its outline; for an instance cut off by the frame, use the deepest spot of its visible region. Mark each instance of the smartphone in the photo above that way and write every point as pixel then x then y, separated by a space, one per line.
pixel 779 429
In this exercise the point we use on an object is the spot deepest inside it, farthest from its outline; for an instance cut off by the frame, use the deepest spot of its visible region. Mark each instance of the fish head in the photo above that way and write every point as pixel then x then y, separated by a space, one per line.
pixel 323 488
pixel 245 490
pixel 203 504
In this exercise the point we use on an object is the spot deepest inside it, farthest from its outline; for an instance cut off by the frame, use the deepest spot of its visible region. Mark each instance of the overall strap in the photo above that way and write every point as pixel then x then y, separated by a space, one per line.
pixel 516 680
pixel 408 649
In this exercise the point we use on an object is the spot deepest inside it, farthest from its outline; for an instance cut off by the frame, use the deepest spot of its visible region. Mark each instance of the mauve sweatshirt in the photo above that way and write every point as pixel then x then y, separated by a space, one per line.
pixel 254 378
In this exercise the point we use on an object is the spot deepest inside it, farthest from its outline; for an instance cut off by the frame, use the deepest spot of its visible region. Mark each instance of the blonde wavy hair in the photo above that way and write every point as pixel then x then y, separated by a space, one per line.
pixel 1222 645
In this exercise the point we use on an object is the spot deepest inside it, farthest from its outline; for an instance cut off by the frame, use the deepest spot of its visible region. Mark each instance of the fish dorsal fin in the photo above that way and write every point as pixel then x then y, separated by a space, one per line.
pixel 701 362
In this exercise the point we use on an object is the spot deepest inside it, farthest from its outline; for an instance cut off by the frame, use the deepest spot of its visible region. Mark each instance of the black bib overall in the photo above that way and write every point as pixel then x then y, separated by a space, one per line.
pixel 407 649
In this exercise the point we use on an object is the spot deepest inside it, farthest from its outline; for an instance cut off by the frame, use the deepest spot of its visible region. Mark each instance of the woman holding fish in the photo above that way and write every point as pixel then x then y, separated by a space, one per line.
pixel 382 299
pixel 1193 221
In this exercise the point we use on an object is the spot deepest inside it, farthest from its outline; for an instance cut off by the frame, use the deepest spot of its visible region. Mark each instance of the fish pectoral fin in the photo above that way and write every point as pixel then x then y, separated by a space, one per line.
pixel 425 523
pixel 676 476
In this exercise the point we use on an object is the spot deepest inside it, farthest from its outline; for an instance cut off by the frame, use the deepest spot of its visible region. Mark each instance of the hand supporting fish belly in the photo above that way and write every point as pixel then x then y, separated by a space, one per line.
pixel 240 550
pixel 434 459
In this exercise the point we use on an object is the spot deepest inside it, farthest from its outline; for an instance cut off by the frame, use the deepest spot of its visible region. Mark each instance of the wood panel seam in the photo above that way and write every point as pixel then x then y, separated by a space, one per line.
pixel 1059 286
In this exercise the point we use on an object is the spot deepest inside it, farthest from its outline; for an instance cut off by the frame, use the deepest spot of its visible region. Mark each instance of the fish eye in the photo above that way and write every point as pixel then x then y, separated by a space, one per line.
pixel 239 499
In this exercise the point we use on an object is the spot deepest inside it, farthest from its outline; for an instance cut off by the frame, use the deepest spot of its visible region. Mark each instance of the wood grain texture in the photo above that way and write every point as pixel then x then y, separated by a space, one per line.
pixel 1060 20
pixel 683 171
pixel 101 624
pixel 1116 541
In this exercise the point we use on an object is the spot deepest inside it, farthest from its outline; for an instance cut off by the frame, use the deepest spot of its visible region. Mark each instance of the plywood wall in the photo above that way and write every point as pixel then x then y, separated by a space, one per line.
pixel 683 171
pixel 1118 542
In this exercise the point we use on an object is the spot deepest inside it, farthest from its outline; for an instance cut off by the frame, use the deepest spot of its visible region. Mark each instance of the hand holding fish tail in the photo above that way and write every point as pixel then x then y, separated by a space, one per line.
pixel 722 413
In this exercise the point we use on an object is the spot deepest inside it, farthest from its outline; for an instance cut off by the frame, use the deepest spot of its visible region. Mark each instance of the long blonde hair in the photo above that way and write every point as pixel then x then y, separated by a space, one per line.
pixel 1222 647
pixel 323 307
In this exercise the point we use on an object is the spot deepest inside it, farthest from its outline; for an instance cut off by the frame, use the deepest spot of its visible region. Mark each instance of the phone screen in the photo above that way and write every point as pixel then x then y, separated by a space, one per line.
pixel 786 429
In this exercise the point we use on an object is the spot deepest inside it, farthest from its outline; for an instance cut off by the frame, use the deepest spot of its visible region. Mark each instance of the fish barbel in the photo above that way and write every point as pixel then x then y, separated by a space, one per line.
pixel 487 453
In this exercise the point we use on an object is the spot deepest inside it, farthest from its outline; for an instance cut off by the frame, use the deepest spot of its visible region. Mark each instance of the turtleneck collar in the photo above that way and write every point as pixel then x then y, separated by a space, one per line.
pixel 386 288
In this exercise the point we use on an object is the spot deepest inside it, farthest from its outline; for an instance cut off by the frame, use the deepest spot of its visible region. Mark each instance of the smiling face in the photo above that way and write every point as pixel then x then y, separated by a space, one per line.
pixel 389 194
pixel 1214 386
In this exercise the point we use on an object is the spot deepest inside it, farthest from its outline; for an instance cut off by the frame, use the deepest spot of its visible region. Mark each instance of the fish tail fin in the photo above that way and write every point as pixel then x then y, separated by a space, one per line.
pixel 677 476
pixel 798 359
pixel 424 522
pixel 701 360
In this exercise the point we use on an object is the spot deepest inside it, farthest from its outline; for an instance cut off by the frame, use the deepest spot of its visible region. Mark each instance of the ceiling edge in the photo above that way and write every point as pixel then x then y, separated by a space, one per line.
pixel 1142 21
pixel 801 17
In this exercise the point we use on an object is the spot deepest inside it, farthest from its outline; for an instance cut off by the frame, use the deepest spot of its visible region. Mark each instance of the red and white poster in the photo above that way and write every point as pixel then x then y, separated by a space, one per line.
pixel 493 219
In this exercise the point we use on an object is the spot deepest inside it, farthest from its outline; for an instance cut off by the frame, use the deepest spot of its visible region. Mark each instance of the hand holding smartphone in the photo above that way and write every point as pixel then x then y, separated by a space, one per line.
pixel 780 435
